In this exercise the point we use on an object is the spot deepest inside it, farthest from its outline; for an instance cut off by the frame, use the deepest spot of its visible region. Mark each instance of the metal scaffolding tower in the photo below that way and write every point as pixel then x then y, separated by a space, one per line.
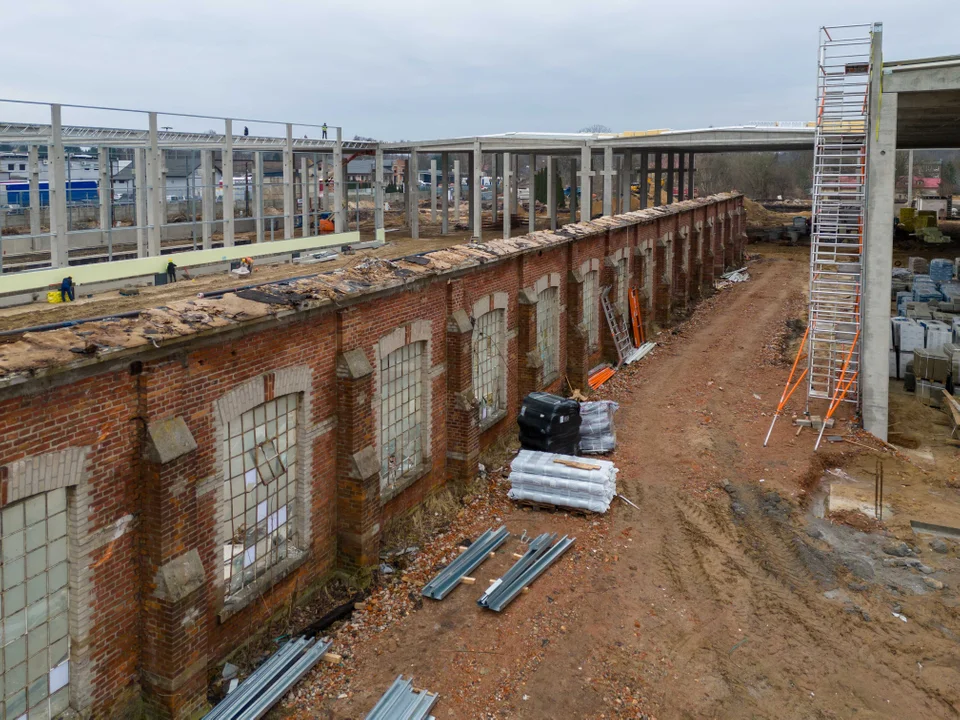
pixel 839 209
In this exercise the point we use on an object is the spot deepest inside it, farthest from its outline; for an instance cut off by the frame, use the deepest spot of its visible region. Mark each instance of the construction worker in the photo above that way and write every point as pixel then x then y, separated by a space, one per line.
pixel 324 131
pixel 67 289
pixel 171 272
pixel 247 263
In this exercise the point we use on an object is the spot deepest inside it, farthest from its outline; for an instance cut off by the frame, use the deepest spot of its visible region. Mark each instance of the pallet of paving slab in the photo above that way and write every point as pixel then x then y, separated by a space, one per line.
pixel 549 507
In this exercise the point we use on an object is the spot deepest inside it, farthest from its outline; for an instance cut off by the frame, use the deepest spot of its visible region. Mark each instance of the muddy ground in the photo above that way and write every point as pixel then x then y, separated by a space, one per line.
pixel 728 594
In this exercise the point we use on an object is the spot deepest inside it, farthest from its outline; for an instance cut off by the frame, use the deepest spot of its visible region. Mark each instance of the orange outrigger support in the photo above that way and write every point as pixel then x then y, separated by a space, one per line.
pixel 790 386
pixel 841 390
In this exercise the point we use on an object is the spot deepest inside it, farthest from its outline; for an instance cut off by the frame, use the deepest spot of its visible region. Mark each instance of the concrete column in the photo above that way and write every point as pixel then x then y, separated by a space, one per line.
pixel 57 192
pixel 910 178
pixel 586 172
pixel 495 171
pixel 508 196
pixel 258 194
pixel 162 167
pixel 339 187
pixel 327 198
pixel 289 202
pixel 878 252
pixel 140 197
pixel 444 193
pixel 657 179
pixel 33 165
pixel 155 194
pixel 433 190
pixel 378 189
pixel 644 179
pixel 304 198
pixel 681 176
pixel 476 213
pixel 531 199
pixel 573 190
pixel 608 173
pixel 671 169
pixel 315 193
pixel 691 185
pixel 551 192
pixel 106 192
pixel 515 184
pixel 208 201
pixel 406 191
pixel 228 200
pixel 626 176
pixel 414 196
pixel 456 191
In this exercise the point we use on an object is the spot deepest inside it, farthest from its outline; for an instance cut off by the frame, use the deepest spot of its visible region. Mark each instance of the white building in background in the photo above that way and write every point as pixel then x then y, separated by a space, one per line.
pixel 15 167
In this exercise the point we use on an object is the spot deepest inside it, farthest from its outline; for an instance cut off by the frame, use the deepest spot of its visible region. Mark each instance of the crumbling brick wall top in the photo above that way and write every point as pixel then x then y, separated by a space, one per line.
pixel 41 354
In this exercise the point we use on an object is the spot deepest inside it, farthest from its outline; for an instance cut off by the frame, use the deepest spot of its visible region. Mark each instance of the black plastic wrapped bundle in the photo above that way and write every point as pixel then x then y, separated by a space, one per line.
pixel 549 423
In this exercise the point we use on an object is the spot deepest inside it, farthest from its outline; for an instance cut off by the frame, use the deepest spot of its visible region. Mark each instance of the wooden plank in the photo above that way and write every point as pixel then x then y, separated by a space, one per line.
pixel 576 464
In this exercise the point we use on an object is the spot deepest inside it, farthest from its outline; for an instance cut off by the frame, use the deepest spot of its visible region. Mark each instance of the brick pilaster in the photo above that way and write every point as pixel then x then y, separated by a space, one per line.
pixel 530 376
pixel 358 465
pixel 463 428
pixel 578 344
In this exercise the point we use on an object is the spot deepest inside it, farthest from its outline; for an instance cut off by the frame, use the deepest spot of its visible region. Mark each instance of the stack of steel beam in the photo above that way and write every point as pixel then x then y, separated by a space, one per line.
pixel 542 552
pixel 450 576
pixel 402 702
pixel 259 692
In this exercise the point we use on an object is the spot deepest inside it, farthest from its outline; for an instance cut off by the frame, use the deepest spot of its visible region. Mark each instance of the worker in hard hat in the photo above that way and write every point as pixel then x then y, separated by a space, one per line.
pixel 247 262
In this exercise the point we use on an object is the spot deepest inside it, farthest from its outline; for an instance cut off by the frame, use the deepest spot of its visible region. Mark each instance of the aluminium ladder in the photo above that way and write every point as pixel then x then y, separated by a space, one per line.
pixel 839 214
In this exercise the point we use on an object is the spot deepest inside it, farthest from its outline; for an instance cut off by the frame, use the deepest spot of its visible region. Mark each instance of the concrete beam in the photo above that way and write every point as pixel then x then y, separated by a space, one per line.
pixel 878 256
pixel 921 78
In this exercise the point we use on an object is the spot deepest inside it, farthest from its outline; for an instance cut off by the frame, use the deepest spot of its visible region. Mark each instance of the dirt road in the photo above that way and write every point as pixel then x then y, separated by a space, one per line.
pixel 709 602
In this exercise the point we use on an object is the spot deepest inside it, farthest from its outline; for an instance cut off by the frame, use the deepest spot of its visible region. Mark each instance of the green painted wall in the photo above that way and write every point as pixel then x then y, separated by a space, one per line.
pixel 141 267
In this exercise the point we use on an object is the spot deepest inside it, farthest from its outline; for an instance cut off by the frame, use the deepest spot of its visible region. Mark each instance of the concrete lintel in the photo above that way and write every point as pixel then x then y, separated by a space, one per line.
pixel 168 440
pixel 527 296
pixel 179 577
pixel 353 365
pixel 364 464
pixel 459 323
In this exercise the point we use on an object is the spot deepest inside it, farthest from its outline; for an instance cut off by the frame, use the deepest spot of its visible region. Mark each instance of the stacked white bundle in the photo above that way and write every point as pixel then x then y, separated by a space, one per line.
pixel 563 480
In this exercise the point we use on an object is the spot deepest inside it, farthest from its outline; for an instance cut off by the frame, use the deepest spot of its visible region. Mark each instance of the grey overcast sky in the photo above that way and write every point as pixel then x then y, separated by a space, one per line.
pixel 418 69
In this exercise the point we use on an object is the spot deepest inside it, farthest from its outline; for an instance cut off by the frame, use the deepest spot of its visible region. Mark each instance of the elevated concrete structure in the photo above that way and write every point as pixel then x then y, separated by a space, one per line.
pixel 914 104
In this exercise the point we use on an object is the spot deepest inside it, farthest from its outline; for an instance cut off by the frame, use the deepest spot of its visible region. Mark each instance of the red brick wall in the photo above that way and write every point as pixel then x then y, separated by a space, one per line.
pixel 137 644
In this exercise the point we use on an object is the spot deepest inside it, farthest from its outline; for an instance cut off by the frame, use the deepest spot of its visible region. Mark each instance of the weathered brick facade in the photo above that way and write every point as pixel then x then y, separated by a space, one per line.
pixel 138 439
